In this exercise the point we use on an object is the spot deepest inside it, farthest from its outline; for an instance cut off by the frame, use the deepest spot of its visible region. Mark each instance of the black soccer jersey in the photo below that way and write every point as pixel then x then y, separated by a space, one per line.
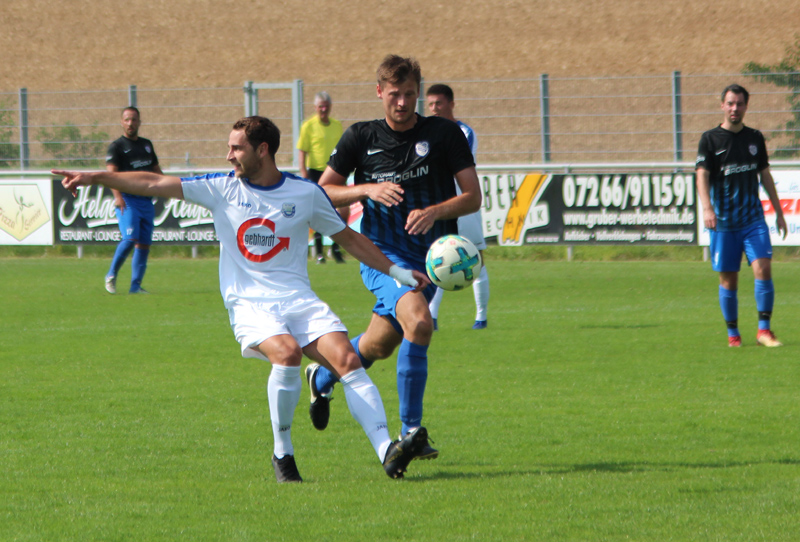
pixel 130 155
pixel 734 161
pixel 422 161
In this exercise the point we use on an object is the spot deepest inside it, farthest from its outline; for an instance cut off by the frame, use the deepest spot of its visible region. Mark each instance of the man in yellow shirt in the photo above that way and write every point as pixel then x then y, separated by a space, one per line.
pixel 318 137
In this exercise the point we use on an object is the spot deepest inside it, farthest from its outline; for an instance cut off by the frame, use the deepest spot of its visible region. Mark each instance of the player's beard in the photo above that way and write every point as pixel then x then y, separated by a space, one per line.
pixel 248 171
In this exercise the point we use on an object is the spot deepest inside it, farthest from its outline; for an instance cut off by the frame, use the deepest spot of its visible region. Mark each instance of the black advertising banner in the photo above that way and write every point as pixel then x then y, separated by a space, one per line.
pixel 611 209
pixel 90 218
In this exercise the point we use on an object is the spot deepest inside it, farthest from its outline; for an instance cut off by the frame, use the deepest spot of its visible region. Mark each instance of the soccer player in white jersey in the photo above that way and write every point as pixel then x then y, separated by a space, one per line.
pixel 262 217
pixel 440 104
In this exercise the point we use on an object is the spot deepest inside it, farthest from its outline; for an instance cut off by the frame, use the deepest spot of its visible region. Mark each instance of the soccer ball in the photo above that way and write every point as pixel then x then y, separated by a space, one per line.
pixel 453 262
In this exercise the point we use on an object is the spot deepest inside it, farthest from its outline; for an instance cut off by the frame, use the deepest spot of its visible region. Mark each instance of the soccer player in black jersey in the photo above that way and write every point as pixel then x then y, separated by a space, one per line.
pixel 731 160
pixel 403 167
pixel 135 213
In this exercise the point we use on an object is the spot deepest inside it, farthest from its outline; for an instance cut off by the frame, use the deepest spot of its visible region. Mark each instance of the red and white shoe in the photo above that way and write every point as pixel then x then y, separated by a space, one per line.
pixel 766 337
pixel 735 341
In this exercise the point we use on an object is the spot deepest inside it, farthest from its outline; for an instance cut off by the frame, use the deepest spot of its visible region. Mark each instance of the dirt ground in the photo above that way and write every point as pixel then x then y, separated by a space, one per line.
pixel 84 44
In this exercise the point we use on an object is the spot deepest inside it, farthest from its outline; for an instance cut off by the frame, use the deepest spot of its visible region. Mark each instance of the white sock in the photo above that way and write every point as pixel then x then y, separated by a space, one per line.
pixel 366 406
pixel 481 290
pixel 283 392
pixel 435 302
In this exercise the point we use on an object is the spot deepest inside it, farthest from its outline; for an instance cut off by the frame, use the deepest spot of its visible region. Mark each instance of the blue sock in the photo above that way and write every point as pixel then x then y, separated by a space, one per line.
pixel 366 363
pixel 123 249
pixel 325 379
pixel 412 375
pixel 138 267
pixel 765 299
pixel 729 304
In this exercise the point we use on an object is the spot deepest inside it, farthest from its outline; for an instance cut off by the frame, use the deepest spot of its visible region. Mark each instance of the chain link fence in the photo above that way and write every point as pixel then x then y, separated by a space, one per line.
pixel 570 120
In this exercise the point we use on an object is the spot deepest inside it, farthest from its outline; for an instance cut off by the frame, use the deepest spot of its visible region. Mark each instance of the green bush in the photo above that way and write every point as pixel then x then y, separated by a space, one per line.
pixel 9 153
pixel 70 148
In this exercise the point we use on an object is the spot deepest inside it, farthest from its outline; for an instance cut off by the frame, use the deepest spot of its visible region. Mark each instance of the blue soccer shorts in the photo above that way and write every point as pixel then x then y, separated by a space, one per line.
pixel 388 291
pixel 727 247
pixel 136 222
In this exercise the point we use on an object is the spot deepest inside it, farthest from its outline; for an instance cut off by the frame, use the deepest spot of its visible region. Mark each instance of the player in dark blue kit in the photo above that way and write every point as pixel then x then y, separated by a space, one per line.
pixel 731 160
pixel 135 213
pixel 403 167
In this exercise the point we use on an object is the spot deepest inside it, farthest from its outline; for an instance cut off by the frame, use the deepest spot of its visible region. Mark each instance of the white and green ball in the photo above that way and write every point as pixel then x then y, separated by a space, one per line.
pixel 453 262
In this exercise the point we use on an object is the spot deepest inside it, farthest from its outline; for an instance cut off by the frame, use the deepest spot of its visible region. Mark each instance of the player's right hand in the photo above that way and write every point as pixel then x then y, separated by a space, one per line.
pixel 388 193
pixel 72 179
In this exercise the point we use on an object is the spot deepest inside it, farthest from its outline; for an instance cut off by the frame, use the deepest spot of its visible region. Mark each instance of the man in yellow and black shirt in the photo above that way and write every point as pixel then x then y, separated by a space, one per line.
pixel 318 137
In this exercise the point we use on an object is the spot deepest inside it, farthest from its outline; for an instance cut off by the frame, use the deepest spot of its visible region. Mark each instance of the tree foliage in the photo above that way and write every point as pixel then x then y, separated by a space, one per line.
pixel 785 73
pixel 71 148
pixel 9 152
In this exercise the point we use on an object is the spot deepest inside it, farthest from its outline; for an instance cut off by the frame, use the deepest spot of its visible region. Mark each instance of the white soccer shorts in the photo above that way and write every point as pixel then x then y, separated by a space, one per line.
pixel 306 318
pixel 469 226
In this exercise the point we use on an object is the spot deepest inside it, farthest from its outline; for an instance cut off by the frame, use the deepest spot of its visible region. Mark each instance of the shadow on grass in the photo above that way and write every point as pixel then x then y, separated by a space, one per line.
pixel 619 326
pixel 614 468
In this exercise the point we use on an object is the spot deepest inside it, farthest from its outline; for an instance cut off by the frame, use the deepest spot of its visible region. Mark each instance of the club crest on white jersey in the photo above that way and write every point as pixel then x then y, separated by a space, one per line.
pixel 288 210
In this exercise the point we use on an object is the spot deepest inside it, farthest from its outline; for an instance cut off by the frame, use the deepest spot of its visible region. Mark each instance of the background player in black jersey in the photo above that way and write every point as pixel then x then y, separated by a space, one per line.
pixel 731 160
pixel 403 168
pixel 134 213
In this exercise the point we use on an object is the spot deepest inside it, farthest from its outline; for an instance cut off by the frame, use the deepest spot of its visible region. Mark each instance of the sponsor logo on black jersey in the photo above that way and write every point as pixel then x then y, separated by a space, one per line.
pixel 736 168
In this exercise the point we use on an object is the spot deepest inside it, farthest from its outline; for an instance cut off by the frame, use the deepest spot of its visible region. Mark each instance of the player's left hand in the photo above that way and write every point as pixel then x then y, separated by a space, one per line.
pixel 420 221
pixel 781 223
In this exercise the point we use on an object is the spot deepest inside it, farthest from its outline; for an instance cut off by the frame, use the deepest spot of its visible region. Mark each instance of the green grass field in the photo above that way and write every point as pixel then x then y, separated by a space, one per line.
pixel 601 404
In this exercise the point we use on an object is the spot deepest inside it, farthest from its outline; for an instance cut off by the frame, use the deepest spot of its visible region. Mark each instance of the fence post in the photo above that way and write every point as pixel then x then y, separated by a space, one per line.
pixel 421 98
pixel 24 151
pixel 132 101
pixel 677 125
pixel 297 119
pixel 544 102
pixel 248 99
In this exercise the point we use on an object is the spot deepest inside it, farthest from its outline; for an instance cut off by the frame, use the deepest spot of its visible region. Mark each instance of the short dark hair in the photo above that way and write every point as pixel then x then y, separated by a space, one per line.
pixel 131 108
pixel 736 89
pixel 444 90
pixel 260 130
pixel 397 69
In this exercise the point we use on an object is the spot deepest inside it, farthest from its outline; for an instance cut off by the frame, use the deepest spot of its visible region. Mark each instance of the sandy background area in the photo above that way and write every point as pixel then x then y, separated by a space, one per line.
pixel 58 45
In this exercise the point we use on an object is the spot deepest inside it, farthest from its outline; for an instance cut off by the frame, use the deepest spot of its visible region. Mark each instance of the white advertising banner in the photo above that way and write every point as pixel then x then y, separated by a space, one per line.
pixel 787 183
pixel 589 208
pixel 26 212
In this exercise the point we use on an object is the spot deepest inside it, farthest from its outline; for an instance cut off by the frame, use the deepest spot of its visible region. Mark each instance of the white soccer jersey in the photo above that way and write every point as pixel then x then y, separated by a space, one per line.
pixel 263 232
pixel 469 226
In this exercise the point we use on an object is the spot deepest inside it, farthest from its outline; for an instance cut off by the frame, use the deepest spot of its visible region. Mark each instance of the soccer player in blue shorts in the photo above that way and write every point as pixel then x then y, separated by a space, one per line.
pixel 731 160
pixel 135 214
pixel 403 167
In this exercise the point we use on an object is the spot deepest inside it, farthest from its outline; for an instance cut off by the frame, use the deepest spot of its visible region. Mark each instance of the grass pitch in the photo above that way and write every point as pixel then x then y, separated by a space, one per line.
pixel 602 403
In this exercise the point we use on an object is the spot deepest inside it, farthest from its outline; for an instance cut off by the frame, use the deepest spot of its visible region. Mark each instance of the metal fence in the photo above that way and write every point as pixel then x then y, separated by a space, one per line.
pixel 570 120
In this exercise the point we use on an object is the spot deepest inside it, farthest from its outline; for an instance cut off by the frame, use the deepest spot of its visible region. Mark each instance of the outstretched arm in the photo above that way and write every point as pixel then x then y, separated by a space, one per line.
pixel 140 183
pixel 366 252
